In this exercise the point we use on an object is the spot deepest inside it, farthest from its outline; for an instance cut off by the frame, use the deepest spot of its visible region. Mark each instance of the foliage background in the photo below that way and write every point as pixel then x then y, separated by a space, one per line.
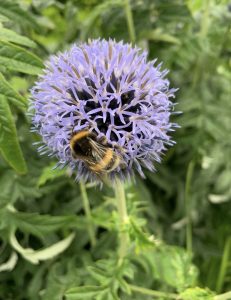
pixel 185 204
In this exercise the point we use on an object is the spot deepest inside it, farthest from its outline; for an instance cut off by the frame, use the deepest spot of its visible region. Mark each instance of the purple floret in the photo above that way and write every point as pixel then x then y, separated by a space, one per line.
pixel 112 90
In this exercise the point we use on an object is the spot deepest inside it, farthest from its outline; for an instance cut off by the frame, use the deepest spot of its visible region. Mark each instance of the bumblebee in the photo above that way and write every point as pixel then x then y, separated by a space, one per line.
pixel 98 156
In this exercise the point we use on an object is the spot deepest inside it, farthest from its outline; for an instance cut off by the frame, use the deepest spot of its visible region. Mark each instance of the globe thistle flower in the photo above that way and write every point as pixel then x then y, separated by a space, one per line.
pixel 110 89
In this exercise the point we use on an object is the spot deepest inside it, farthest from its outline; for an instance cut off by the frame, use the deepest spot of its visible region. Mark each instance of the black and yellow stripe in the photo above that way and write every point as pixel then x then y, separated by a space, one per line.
pixel 98 156
pixel 104 162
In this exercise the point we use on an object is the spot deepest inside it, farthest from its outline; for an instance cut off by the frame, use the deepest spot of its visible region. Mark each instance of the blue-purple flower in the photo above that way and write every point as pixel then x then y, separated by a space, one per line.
pixel 110 89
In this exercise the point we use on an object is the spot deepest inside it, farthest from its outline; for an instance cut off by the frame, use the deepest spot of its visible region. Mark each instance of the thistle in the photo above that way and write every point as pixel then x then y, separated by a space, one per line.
pixel 110 90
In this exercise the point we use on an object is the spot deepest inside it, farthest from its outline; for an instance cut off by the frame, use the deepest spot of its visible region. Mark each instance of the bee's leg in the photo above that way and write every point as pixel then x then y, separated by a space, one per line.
pixel 103 140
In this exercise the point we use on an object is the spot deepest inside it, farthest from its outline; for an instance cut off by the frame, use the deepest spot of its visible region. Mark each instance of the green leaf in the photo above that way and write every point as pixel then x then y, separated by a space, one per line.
pixel 18 59
pixel 3 19
pixel 95 13
pixel 142 239
pixel 83 292
pixel 173 266
pixel 9 145
pixel 158 35
pixel 39 224
pixel 11 95
pixel 15 13
pixel 97 273
pixel 8 35
pixel 58 283
pixel 10 263
pixel 197 294
pixel 194 6
pixel 14 187
pixel 49 173
pixel 35 256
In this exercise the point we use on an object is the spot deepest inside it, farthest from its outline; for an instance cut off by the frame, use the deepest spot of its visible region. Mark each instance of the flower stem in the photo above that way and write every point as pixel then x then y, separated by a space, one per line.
pixel 123 217
pixel 153 292
pixel 130 22
pixel 187 207
pixel 87 211
pixel 223 267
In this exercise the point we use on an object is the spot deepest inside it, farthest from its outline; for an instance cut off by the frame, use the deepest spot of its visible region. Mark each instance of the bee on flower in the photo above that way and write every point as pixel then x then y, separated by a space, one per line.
pixel 103 109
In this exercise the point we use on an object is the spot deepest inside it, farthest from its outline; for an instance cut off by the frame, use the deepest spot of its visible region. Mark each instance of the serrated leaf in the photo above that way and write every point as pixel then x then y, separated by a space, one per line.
pixel 49 173
pixel 97 273
pixel 124 286
pixel 142 239
pixel 14 187
pixel 57 283
pixel 197 294
pixel 83 292
pixel 173 266
pixel 11 95
pixel 15 13
pixel 8 35
pixel 38 224
pixel 9 145
pixel 105 295
pixel 18 59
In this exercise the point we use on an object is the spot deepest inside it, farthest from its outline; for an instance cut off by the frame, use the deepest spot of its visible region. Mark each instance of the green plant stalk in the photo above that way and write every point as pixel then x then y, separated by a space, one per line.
pixel 225 39
pixel 205 19
pixel 223 267
pixel 153 293
pixel 130 22
pixel 187 207
pixel 87 211
pixel 204 27
pixel 123 219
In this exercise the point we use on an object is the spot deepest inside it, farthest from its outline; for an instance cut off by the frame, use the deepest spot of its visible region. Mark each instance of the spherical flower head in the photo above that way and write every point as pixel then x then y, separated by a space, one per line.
pixel 109 89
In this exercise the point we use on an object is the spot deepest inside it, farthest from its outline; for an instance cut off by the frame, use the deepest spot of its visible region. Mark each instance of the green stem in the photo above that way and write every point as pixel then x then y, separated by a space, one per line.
pixel 87 211
pixel 205 20
pixel 223 267
pixel 153 292
pixel 187 207
pixel 225 296
pixel 123 218
pixel 130 22
pixel 202 35
pixel 224 40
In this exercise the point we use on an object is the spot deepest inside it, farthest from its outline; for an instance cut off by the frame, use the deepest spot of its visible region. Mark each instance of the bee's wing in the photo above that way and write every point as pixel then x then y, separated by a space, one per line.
pixel 98 150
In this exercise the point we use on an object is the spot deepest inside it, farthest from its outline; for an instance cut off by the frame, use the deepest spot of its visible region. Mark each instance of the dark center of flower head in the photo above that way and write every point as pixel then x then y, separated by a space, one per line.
pixel 109 104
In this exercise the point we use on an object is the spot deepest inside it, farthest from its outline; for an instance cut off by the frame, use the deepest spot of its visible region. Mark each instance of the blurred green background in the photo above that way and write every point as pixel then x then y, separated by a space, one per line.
pixel 185 204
